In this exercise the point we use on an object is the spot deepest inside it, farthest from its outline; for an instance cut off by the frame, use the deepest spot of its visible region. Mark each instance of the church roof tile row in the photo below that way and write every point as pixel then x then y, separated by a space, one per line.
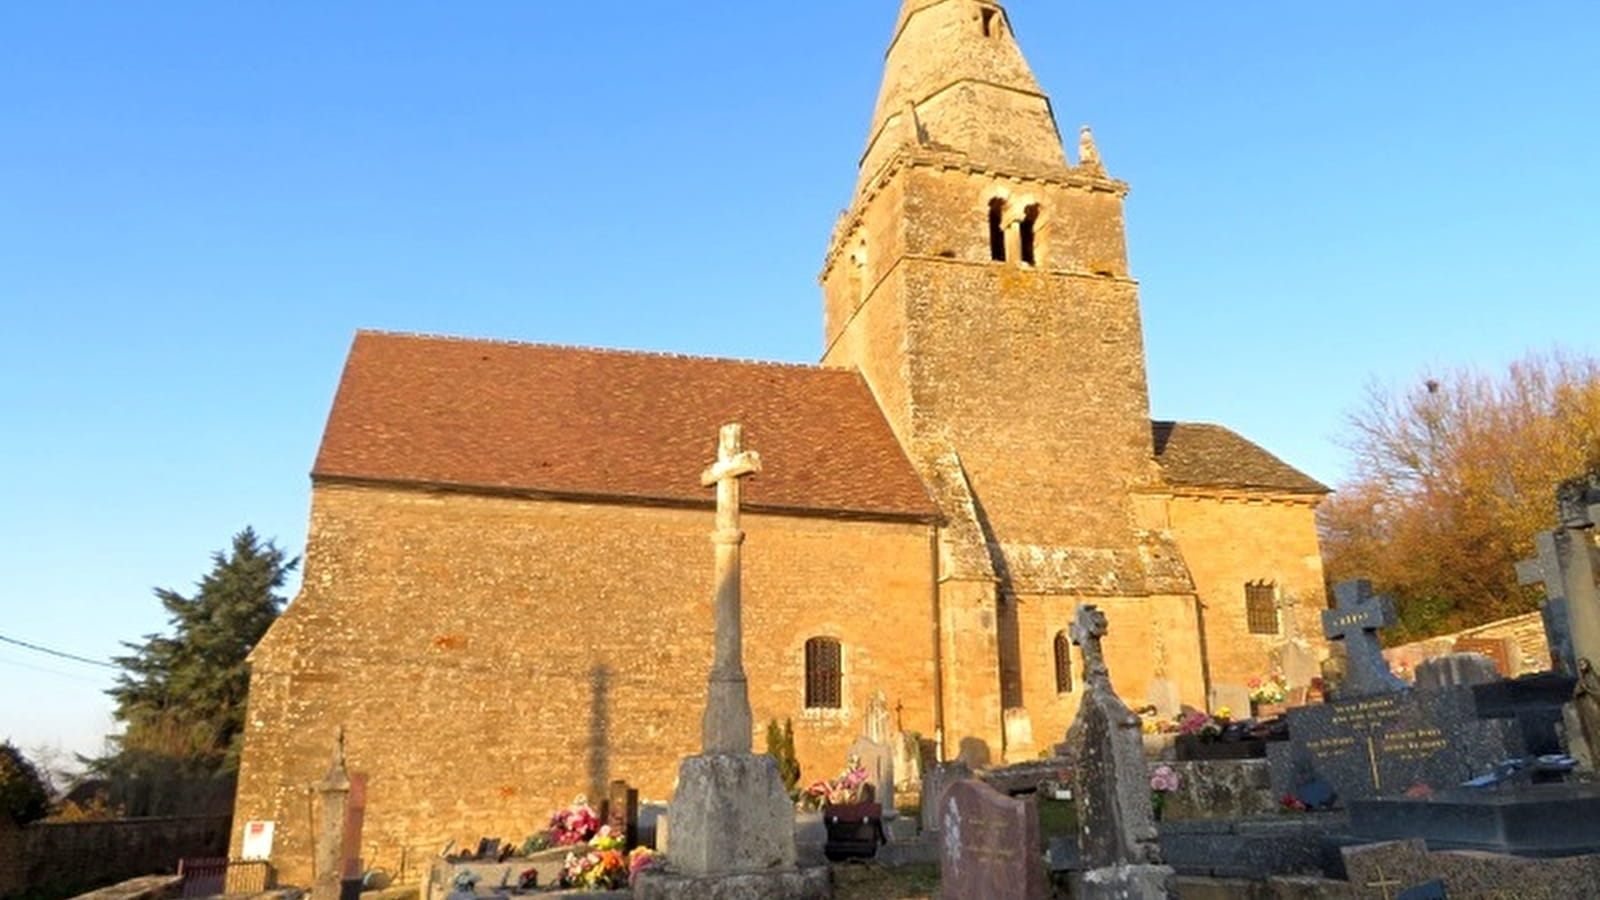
pixel 580 422
pixel 610 424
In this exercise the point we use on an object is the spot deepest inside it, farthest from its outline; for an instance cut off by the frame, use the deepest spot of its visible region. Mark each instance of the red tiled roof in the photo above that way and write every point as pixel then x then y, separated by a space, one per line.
pixel 1196 454
pixel 610 424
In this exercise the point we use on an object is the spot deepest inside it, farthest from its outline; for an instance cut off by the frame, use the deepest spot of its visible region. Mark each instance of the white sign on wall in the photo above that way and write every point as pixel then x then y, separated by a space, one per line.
pixel 257 840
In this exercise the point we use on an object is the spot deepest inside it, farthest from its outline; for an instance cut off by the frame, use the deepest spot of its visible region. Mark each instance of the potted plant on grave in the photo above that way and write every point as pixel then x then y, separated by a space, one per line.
pixel 1202 736
pixel 853 818
pixel 1267 695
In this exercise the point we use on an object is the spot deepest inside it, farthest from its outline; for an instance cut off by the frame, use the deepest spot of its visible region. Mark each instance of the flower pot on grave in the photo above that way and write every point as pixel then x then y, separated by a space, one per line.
pixel 1261 711
pixel 1192 747
pixel 854 830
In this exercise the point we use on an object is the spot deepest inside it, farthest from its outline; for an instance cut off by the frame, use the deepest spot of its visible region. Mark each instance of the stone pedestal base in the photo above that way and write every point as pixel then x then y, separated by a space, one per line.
pixel 1128 883
pixel 730 815
pixel 795 884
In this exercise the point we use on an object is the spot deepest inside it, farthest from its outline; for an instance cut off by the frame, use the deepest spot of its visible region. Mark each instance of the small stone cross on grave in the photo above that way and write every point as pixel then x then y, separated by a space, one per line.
pixel 727 725
pixel 334 789
pixel 1356 621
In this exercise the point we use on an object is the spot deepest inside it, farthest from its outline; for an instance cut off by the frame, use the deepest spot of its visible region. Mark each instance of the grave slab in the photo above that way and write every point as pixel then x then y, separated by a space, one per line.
pixel 1528 820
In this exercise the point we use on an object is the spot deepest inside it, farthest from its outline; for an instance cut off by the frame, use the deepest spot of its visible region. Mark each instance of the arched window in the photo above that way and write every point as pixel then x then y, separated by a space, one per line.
pixel 997 229
pixel 1030 230
pixel 1261 607
pixel 822 673
pixel 989 20
pixel 1063 663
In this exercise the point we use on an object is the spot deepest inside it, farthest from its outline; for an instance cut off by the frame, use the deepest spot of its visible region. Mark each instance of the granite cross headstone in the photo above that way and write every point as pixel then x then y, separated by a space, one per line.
pixel 1111 783
pixel 1356 621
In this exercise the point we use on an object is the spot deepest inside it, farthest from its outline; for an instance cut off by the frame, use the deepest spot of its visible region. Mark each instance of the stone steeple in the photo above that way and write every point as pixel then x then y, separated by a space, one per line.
pixel 955 79
pixel 979 282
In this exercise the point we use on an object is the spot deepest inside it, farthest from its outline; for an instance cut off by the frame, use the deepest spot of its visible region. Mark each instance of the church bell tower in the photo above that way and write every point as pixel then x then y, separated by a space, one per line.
pixel 979 281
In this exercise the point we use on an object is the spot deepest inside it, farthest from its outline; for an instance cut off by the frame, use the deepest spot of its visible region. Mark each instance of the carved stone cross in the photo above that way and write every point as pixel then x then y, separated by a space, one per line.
pixel 1088 627
pixel 1356 621
pixel 727 725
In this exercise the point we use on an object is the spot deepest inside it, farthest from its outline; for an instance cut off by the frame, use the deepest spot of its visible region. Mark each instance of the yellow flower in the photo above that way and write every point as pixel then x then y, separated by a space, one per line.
pixel 1224 713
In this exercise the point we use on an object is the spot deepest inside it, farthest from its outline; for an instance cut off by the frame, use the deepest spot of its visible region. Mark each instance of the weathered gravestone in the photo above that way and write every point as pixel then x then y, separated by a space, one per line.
pixel 873 751
pixel 935 782
pixel 731 821
pixel 332 837
pixel 1456 669
pixel 989 847
pixel 1388 869
pixel 1568 565
pixel 1117 838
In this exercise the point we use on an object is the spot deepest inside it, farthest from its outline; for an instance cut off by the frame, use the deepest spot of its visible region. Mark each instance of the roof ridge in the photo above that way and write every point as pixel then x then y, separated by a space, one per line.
pixel 588 348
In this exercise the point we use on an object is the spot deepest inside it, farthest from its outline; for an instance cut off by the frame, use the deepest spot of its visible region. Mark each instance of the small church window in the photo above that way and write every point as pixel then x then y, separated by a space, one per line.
pixel 1029 232
pixel 1261 607
pixel 822 673
pixel 990 20
pixel 997 229
pixel 1063 663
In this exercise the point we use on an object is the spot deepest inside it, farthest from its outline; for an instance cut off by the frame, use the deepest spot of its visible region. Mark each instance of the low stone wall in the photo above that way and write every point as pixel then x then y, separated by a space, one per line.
pixel 1521 636
pixel 67 858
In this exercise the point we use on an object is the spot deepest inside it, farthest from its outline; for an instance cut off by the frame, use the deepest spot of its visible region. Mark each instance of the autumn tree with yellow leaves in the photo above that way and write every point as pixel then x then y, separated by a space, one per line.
pixel 1453 478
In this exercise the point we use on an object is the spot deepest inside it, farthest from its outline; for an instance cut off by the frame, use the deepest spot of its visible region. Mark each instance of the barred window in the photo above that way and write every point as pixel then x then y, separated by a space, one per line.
pixel 1261 607
pixel 822 673
pixel 1063 663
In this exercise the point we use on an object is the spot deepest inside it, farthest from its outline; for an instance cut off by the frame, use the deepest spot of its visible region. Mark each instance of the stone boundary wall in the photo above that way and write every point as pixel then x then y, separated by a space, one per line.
pixel 1524 635
pixel 69 857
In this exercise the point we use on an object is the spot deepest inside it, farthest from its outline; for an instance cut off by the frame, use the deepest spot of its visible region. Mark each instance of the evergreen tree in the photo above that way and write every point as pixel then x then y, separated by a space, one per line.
pixel 24 797
pixel 182 696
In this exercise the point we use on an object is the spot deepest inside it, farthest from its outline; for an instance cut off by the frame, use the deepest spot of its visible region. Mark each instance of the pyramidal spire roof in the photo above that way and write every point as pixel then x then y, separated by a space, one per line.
pixel 954 79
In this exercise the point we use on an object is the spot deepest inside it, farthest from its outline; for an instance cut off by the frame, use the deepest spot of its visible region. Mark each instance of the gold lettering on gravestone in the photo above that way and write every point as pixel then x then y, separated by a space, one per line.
pixel 1415 745
pixel 989 842
pixel 1366 715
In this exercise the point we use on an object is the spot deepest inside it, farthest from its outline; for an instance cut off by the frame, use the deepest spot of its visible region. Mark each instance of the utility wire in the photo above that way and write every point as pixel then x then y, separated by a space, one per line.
pixel 64 655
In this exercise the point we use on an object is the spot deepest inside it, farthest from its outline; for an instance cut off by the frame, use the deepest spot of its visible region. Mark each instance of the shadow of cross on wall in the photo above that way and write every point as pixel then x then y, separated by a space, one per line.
pixel 1356 620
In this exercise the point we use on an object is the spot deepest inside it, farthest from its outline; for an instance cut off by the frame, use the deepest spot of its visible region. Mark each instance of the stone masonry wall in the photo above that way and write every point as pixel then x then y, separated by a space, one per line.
pixel 491 658
pixel 1524 636
pixel 1230 540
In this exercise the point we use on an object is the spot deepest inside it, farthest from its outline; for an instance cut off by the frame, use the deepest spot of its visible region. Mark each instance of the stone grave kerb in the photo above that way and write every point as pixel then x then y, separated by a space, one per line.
pixel 1356 619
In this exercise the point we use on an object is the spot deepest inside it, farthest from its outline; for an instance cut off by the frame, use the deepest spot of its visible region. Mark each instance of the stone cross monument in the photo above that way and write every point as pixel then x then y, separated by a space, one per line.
pixel 732 823
pixel 727 725
pixel 1121 857
pixel 1356 621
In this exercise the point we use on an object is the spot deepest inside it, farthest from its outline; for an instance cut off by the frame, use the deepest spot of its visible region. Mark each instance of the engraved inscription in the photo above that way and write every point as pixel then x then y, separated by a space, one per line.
pixel 1415 745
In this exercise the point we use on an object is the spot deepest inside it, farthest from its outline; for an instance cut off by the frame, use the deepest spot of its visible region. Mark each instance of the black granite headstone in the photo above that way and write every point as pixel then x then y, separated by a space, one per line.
pixel 1356 621
pixel 1391 744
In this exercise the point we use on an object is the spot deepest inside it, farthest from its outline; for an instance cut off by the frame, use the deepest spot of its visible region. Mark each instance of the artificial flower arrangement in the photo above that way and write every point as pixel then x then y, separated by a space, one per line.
pixel 574 825
pixel 1271 689
pixel 604 865
pixel 1205 727
pixel 1163 781
pixel 848 787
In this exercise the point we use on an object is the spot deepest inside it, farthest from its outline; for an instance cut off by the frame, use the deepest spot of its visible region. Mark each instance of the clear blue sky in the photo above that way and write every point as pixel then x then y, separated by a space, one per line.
pixel 201 201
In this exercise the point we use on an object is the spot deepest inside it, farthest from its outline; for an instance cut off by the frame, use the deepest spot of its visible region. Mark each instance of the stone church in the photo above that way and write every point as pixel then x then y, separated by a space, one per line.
pixel 507 595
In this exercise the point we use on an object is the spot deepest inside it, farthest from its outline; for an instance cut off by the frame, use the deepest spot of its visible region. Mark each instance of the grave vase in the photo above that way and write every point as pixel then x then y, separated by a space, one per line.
pixel 855 830
pixel 1263 711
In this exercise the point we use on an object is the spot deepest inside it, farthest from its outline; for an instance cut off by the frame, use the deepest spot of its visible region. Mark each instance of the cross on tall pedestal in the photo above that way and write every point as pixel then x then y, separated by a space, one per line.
pixel 1356 621
pixel 727 725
